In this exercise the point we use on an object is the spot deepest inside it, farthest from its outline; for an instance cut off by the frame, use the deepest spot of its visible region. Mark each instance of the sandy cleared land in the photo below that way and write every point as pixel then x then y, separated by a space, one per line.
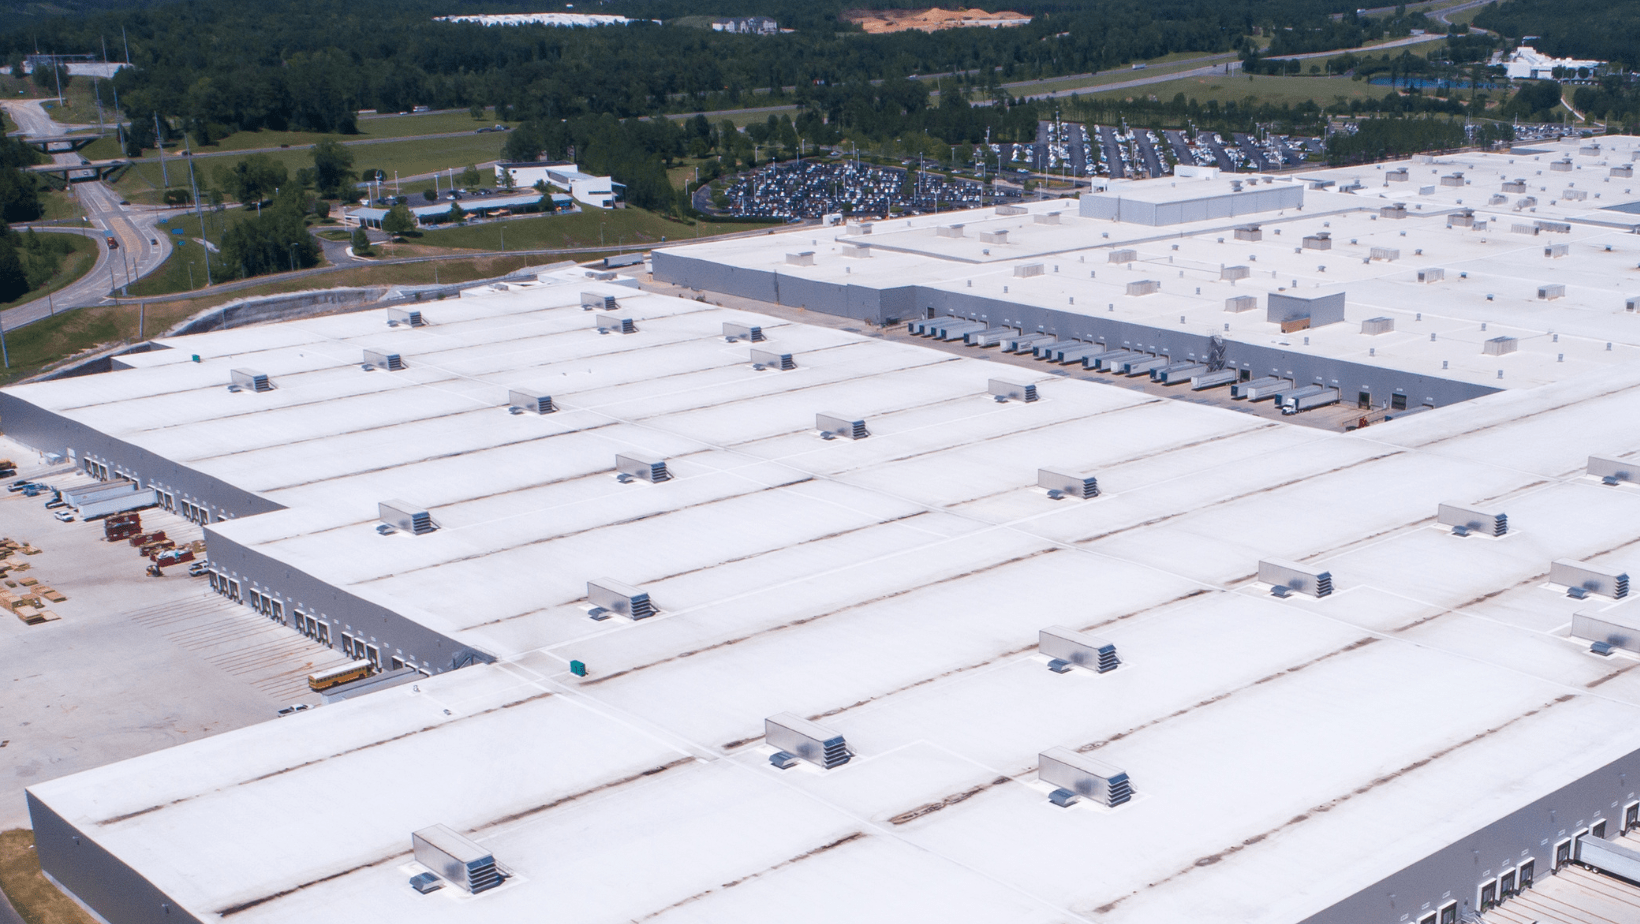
pixel 877 22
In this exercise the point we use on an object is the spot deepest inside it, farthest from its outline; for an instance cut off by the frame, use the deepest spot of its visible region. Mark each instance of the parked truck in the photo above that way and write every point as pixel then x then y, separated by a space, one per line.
pixel 1295 402
pixel 136 500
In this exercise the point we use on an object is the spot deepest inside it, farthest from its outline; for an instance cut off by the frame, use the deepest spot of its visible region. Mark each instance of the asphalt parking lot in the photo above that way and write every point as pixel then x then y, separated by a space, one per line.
pixel 135 663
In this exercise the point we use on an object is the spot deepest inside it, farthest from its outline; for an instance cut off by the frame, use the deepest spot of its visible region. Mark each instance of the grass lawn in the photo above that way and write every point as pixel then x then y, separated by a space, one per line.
pixel 60 205
pixel 1237 88
pixel 184 269
pixel 388 126
pixel 74 266
pixel 34 897
pixel 408 158
pixel 614 228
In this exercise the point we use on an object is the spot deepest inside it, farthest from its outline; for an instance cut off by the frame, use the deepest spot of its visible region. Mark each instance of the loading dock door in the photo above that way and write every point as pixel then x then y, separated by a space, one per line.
pixel 1364 400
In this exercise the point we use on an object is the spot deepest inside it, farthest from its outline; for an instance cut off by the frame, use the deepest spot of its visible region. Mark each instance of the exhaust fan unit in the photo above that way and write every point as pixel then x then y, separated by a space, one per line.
pixel 1012 390
pixel 770 360
pixel 1611 471
pixel 456 859
pixel 838 425
pixel 1589 579
pixel 383 360
pixel 801 738
pixel 1084 776
pixel 616 323
pixel 623 599
pixel 643 467
pixel 251 379
pixel 409 317
pixel 748 332
pixel 1068 645
pixel 592 301
pixel 406 516
pixel 1472 521
pixel 532 402
pixel 1081 485
pixel 1294 577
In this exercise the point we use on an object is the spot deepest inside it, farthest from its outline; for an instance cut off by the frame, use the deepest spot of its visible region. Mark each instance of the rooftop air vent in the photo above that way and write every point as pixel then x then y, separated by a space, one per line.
pixel 748 332
pixel 383 360
pixel 1592 579
pixel 801 738
pixel 1249 233
pixel 1617 627
pixel 768 360
pixel 616 323
pixel 1473 521
pixel 1012 391
pixel 1123 256
pixel 1079 648
pixel 592 301
pixel 1088 778
pixel 1295 577
pixel 612 596
pixel 1498 346
pixel 251 379
pixel 642 466
pixel 1239 303
pixel 1375 326
pixel 1080 485
pixel 455 858
pixel 838 425
pixel 1611 471
pixel 406 516
pixel 531 401
pixel 408 317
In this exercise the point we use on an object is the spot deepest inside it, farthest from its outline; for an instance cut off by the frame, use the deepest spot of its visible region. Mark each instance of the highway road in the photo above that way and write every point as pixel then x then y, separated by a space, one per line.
pixel 142 248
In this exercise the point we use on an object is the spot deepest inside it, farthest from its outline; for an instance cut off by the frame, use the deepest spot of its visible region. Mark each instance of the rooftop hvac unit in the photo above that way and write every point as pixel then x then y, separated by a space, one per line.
pixel 616 323
pixel 999 236
pixel 1013 391
pixel 801 258
pixel 251 379
pixel 406 516
pixel 1144 287
pixel 804 739
pixel 1088 778
pixel 1318 241
pixel 1431 274
pixel 1012 210
pixel 456 859
pixel 1463 219
pixel 1029 269
pixel 1496 199
pixel 1561 166
pixel 1516 186
pixel 858 227
pixel 409 317
pixel 1398 210
pixel 1612 471
pixel 857 251
pixel 1387 254
pixel 1626 171
pixel 1249 233
pixel 1472 521
pixel 381 360
pixel 1575 195
pixel 623 599
pixel 1240 303
pixel 1375 326
pixel 1518 228
pixel 1123 256
pixel 1618 627
pixel 1398 175
pixel 1551 292
pixel 748 332
pixel 1526 202
pixel 1082 485
pixel 1234 272
pixel 1083 650
pixel 1558 227
pixel 1556 251
pixel 592 301
pixel 949 231
pixel 531 401
pixel 639 465
pixel 1455 179
pixel 1498 346
pixel 1632 304
pixel 1295 577
pixel 1046 218
pixel 1589 150
pixel 1591 579
pixel 769 360
pixel 838 425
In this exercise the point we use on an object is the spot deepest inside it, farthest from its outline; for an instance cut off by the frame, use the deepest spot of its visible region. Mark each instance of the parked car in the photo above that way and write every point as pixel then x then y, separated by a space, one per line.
pixel 63 516
pixel 16 486
pixel 199 569
pixel 294 708
pixel 55 503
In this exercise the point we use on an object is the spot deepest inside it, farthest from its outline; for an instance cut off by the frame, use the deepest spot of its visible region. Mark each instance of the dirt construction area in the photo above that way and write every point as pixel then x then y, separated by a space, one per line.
pixel 132 663
pixel 877 22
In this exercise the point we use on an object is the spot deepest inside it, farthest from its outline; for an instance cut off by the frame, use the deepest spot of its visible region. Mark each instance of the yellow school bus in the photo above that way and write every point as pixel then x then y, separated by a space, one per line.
pixel 336 676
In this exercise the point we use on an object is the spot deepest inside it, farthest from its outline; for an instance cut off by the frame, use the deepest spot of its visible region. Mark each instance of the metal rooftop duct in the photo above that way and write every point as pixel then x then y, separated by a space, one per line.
pixel 748 332
pixel 1581 579
pixel 838 425
pixel 771 360
pixel 592 301
pixel 381 359
pixel 1012 391
pixel 406 516
pixel 624 599
pixel 1082 485
pixel 801 738
pixel 616 323
pixel 251 379
pixel 642 466
pixel 409 317
pixel 531 401
pixel 1464 520
pixel 456 859
pixel 1067 645
pixel 1091 779
pixel 1611 471
pixel 1286 576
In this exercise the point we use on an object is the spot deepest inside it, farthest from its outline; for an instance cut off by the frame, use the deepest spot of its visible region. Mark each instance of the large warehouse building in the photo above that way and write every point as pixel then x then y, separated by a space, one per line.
pixel 726 617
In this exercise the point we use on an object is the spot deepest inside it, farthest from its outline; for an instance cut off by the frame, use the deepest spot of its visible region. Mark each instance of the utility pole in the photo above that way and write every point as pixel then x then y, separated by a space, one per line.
pixel 205 242
pixel 96 88
pixel 4 357
pixel 159 142
pixel 57 71
pixel 127 45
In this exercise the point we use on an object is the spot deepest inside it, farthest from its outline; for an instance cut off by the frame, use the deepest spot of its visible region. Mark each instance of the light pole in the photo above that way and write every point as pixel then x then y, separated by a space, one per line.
pixel 293 257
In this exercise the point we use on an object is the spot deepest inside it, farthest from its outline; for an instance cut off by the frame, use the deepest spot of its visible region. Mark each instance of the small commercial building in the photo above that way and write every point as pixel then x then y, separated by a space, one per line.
pixel 599 191
pixel 1527 63
pixel 746 25
pixel 439 212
